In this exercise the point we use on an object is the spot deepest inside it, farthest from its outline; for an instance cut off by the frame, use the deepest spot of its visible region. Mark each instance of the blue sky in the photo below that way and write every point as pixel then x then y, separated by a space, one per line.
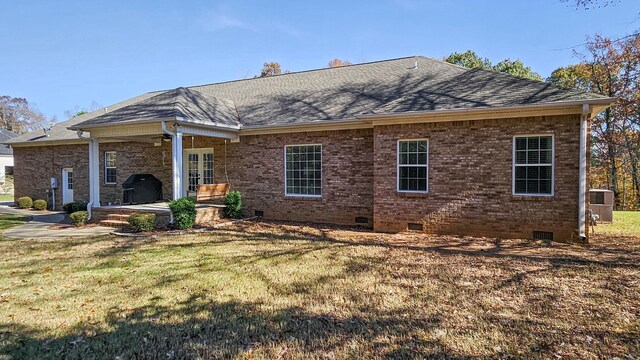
pixel 63 55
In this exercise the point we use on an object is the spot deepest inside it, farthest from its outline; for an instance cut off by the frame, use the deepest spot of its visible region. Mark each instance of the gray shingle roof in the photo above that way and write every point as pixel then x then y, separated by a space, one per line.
pixel 4 136
pixel 180 103
pixel 390 86
pixel 59 131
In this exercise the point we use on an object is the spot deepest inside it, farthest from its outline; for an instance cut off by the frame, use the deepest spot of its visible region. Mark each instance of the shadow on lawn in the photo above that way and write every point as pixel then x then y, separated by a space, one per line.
pixel 225 330
pixel 558 255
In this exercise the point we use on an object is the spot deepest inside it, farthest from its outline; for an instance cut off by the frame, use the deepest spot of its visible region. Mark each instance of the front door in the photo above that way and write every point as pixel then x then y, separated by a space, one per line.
pixel 67 185
pixel 198 169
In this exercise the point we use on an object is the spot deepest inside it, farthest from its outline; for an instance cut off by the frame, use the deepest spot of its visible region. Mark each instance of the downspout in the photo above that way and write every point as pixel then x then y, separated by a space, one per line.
pixel 90 203
pixel 582 176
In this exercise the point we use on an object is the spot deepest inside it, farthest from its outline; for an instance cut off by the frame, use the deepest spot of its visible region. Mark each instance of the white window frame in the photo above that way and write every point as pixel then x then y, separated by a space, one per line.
pixel 286 193
pixel 553 165
pixel 398 166
pixel 109 167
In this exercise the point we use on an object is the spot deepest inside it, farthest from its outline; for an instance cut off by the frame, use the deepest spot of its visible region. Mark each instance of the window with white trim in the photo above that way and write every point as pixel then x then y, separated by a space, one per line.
pixel 413 165
pixel 109 167
pixel 533 165
pixel 303 170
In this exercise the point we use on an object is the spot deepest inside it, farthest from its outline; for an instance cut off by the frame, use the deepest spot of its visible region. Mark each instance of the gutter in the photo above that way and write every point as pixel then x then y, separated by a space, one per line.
pixel 603 101
pixel 177 119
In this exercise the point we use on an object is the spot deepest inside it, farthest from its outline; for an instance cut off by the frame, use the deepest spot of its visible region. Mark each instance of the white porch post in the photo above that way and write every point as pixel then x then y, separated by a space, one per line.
pixel 94 173
pixel 176 149
pixel 582 174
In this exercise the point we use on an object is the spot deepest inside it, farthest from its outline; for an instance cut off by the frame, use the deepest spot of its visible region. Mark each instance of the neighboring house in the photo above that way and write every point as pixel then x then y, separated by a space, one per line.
pixel 410 143
pixel 6 154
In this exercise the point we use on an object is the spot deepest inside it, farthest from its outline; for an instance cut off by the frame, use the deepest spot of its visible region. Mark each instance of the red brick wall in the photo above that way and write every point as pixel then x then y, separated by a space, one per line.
pixel 135 158
pixel 255 166
pixel 470 179
pixel 35 166
pixel 470 166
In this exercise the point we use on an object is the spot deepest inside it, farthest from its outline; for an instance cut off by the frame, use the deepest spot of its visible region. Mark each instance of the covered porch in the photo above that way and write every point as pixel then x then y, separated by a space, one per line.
pixel 135 140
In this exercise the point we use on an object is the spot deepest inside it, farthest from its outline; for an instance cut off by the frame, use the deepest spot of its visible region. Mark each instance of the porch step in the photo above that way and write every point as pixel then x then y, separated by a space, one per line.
pixel 113 223
pixel 120 217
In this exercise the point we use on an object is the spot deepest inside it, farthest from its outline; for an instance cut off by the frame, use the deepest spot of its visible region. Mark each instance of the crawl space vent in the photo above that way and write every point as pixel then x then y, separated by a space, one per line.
pixel 414 227
pixel 259 213
pixel 542 235
pixel 362 220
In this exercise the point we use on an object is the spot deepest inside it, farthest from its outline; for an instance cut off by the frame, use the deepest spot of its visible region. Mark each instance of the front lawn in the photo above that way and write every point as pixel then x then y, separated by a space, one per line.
pixel 281 291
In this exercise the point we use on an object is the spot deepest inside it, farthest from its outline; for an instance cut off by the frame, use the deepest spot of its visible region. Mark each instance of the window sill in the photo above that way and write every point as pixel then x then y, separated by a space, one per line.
pixel 412 194
pixel 303 198
pixel 533 197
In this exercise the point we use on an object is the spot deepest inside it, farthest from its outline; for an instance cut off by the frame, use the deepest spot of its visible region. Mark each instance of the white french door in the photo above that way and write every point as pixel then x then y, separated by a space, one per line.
pixel 197 169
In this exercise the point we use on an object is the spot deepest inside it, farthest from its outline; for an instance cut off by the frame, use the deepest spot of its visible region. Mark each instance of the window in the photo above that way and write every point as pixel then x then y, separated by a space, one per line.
pixel 413 165
pixel 596 198
pixel 70 180
pixel 303 170
pixel 110 167
pixel 533 165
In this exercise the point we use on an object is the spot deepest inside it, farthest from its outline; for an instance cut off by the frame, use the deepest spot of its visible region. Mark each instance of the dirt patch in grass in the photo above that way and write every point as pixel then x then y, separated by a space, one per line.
pixel 284 290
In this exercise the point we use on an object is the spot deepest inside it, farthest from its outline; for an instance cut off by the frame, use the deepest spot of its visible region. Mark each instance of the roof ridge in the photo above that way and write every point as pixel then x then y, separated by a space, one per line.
pixel 303 71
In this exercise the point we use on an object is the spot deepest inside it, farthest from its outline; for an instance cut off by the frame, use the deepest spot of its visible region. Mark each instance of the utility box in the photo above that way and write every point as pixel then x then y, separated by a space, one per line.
pixel 601 203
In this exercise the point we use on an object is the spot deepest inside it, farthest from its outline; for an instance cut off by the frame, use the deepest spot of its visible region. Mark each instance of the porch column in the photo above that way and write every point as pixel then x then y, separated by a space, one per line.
pixel 94 173
pixel 176 150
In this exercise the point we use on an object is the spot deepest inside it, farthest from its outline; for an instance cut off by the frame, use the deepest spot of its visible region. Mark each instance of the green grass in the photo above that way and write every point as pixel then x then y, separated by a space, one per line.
pixel 6 197
pixel 8 221
pixel 625 223
pixel 280 291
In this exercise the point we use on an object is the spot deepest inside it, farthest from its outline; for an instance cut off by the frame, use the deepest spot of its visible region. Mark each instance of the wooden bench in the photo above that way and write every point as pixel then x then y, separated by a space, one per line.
pixel 211 192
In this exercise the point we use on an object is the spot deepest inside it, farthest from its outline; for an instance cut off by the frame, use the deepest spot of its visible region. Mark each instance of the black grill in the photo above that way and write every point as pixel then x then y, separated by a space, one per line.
pixel 142 188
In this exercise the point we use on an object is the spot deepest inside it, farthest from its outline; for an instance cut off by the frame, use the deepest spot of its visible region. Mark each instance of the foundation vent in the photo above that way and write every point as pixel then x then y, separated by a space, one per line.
pixel 362 220
pixel 415 227
pixel 543 235
pixel 259 213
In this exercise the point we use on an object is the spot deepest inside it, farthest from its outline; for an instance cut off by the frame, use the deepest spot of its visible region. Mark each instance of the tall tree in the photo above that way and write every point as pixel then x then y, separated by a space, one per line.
pixel 612 68
pixel 471 60
pixel 17 115
pixel 337 63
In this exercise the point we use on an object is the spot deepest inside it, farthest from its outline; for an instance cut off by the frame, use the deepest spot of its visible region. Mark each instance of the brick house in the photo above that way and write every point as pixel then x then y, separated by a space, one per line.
pixel 410 143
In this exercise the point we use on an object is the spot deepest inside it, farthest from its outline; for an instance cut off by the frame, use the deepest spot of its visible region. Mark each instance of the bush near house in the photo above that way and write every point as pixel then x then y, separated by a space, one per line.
pixel 40 205
pixel 25 202
pixel 142 222
pixel 79 218
pixel 233 201
pixel 72 207
pixel 183 212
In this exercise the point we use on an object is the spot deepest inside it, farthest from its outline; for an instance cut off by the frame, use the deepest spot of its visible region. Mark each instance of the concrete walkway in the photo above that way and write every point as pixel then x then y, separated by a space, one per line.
pixel 44 226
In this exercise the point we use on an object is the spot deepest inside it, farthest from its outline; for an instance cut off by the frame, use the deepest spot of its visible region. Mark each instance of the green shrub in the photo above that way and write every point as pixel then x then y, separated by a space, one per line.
pixel 233 201
pixel 183 212
pixel 25 202
pixel 142 222
pixel 79 218
pixel 74 206
pixel 39 205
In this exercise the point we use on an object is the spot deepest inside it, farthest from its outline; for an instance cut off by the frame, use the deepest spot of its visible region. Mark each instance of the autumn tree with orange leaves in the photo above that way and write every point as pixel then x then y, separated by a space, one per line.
pixel 612 68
